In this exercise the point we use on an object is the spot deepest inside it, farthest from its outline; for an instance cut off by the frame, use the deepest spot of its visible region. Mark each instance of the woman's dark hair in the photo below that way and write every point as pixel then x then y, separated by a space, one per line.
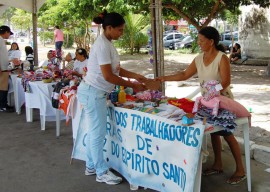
pixel 82 51
pixel 113 19
pixel 28 50
pixel 57 27
pixel 238 45
pixel 15 44
pixel 212 33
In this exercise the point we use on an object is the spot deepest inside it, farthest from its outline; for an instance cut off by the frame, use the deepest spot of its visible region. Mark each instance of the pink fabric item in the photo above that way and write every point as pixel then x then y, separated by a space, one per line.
pixel 225 103
pixel 59 35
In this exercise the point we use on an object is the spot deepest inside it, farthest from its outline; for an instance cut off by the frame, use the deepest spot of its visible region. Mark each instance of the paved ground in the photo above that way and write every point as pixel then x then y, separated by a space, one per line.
pixel 35 161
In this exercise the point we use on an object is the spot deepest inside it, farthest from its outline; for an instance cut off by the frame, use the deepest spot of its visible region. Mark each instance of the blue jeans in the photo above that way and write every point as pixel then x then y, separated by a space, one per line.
pixel 95 112
pixel 58 48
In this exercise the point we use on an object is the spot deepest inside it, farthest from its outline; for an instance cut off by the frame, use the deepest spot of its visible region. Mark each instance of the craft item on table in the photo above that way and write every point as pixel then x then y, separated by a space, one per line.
pixel 122 95
pixel 155 102
pixel 220 102
pixel 144 95
pixel 67 97
pixel 151 110
pixel 188 119
pixel 12 67
pixel 26 65
pixel 171 112
pixel 225 118
pixel 56 93
pixel 67 73
pixel 47 77
pixel 113 96
pixel 183 103
pixel 156 95
pixel 130 98
pixel 39 74
pixel 129 91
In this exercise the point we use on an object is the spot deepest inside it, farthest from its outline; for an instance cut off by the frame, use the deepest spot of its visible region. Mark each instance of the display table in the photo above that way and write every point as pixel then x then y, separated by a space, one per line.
pixel 19 96
pixel 40 98
pixel 153 151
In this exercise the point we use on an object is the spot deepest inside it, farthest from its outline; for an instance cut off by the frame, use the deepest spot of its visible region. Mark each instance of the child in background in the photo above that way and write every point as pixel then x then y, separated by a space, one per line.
pixel 29 57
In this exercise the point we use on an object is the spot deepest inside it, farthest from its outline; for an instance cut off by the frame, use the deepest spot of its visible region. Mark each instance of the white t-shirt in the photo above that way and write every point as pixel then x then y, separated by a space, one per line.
pixel 3 55
pixel 78 66
pixel 13 54
pixel 102 52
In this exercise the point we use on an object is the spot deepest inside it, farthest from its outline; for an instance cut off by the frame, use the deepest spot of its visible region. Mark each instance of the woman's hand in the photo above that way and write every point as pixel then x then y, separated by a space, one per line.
pixel 139 87
pixel 140 78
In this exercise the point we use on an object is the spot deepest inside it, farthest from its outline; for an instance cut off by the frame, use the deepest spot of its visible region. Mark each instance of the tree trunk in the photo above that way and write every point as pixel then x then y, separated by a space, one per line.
pixel 254 27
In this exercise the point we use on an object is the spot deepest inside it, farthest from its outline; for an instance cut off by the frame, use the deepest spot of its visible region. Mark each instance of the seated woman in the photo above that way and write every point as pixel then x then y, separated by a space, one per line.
pixel 51 59
pixel 14 52
pixel 236 53
pixel 70 59
pixel 80 64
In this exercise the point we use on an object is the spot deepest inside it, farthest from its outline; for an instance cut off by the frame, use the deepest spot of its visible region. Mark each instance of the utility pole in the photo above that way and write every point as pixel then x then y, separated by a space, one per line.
pixel 157 39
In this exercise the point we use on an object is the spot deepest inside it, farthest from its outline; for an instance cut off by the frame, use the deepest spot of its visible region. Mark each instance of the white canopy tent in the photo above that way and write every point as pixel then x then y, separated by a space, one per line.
pixel 27 5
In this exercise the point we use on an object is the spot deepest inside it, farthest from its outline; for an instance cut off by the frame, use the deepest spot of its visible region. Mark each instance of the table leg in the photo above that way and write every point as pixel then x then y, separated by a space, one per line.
pixel 57 123
pixel 198 177
pixel 42 122
pixel 29 114
pixel 247 155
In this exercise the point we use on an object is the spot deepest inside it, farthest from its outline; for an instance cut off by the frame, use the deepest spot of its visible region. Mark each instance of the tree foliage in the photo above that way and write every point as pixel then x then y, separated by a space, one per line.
pixel 133 38
pixel 196 12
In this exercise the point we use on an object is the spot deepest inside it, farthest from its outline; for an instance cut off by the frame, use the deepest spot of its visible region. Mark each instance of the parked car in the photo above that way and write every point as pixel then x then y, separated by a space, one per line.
pixel 171 39
pixel 185 43
pixel 226 39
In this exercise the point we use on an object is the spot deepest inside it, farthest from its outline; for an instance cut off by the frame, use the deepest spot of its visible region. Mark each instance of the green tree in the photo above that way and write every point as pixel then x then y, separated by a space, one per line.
pixel 196 12
pixel 22 20
pixel 133 38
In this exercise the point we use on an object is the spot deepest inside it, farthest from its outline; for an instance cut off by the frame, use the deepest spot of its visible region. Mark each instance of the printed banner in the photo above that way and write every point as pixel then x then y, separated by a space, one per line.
pixel 148 150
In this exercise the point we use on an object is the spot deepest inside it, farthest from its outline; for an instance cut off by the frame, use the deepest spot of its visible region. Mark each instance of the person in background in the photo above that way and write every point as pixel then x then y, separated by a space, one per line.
pixel 14 52
pixel 213 64
pixel 70 59
pixel 29 57
pixel 236 53
pixel 51 59
pixel 80 64
pixel 104 72
pixel 5 32
pixel 58 39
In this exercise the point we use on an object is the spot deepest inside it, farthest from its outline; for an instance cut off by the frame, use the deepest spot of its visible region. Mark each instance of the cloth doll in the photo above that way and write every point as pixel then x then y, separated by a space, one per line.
pixel 212 99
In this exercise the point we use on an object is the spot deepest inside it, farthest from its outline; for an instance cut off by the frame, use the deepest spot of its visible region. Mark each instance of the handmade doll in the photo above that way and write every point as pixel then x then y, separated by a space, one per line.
pixel 212 99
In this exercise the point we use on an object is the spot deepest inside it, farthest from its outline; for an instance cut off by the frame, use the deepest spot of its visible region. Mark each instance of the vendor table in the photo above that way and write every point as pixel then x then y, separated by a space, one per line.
pixel 40 98
pixel 19 98
pixel 121 128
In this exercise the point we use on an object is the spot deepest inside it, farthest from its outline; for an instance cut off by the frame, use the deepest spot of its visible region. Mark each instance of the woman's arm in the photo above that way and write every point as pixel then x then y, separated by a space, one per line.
pixel 225 72
pixel 182 75
pixel 114 79
pixel 129 74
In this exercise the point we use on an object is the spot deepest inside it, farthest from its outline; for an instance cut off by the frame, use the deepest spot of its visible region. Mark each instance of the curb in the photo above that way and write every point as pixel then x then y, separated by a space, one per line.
pixel 259 153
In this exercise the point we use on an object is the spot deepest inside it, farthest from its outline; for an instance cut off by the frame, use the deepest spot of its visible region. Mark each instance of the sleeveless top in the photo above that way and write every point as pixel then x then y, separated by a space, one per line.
pixel 210 72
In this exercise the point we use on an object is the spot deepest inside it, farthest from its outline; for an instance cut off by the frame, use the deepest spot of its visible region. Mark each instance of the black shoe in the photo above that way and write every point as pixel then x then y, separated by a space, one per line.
pixel 7 110
pixel 9 107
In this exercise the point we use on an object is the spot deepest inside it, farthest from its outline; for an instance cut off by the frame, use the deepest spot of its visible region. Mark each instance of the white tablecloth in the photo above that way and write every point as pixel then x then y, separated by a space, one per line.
pixel 17 88
pixel 40 98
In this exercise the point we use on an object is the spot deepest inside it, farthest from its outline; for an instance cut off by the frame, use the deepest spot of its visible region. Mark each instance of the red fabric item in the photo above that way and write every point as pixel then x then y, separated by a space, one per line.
pixel 183 103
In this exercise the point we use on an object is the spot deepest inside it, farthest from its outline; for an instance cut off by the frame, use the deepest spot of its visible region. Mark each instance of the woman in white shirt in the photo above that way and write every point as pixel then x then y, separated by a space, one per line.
pixel 104 72
pixel 14 52
pixel 80 64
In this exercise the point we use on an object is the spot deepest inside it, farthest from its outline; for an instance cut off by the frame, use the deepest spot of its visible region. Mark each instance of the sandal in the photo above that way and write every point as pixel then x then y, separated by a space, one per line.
pixel 212 171
pixel 236 179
